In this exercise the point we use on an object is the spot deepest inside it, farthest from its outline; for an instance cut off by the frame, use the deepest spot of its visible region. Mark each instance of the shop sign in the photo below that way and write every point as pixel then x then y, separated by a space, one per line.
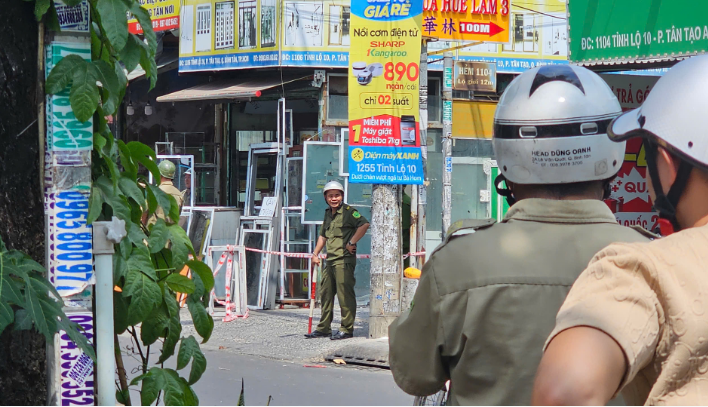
pixel 475 76
pixel 384 141
pixel 447 111
pixel 467 20
pixel 76 369
pixel 629 191
pixel 316 34
pixel 73 19
pixel 631 91
pixel 163 13
pixel 608 30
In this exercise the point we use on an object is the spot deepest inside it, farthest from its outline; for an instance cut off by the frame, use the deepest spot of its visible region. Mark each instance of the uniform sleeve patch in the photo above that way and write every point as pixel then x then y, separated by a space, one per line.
pixel 356 215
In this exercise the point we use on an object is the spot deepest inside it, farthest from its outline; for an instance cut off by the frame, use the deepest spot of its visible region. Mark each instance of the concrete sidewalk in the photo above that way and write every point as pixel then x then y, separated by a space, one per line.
pixel 279 334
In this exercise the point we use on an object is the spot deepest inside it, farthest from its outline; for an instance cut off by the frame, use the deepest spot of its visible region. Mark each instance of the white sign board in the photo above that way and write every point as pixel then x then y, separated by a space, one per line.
pixel 268 207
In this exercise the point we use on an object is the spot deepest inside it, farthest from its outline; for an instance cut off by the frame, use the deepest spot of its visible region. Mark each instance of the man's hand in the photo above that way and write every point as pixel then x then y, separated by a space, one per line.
pixel 351 248
pixel 316 259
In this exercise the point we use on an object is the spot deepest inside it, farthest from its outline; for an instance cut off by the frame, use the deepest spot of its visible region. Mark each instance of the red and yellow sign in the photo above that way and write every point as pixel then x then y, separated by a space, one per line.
pixel 163 13
pixel 467 20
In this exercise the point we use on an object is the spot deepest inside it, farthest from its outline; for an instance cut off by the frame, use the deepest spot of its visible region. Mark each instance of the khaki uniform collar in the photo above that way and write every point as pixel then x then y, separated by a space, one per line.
pixel 167 183
pixel 555 211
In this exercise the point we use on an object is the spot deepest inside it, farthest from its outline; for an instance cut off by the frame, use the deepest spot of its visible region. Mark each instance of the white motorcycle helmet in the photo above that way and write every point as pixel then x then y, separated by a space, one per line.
pixel 673 116
pixel 550 127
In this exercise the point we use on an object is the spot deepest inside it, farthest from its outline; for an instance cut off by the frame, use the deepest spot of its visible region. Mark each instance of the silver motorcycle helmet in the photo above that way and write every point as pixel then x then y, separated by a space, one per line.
pixel 550 127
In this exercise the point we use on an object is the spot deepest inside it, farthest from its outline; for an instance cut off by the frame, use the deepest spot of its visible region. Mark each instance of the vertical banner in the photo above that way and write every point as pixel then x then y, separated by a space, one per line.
pixel 68 148
pixel 384 128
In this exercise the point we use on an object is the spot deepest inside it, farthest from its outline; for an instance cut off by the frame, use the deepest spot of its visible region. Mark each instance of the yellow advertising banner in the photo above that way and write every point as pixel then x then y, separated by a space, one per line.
pixel 467 20
pixel 384 141
pixel 163 13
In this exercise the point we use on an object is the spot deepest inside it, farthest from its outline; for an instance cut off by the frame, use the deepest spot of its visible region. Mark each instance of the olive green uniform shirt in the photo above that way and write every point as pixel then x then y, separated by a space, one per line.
pixel 338 229
pixel 488 299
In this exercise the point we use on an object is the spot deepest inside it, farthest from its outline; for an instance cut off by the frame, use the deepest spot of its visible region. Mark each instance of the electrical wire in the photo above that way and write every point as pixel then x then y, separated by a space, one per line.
pixel 539 12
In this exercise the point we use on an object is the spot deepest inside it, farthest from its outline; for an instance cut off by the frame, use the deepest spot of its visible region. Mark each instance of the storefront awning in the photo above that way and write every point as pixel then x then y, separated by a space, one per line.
pixel 227 89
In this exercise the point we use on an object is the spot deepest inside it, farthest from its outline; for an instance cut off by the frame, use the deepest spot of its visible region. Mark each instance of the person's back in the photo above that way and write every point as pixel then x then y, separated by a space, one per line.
pixel 494 296
pixel 488 297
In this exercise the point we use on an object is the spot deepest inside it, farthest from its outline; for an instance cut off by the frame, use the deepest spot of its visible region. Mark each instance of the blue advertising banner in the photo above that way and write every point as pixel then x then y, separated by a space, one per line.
pixel 385 165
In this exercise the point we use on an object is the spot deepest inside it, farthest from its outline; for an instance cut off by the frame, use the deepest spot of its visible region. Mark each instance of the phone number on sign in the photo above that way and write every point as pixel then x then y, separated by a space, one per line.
pixel 76 367
pixel 73 248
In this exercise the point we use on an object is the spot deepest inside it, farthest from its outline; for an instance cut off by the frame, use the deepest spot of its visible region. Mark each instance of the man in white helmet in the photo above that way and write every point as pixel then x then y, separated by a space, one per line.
pixel 488 296
pixel 636 320
pixel 342 228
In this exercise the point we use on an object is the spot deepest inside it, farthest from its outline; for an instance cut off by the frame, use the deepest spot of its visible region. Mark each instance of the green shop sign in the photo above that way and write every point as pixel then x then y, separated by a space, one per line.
pixel 630 30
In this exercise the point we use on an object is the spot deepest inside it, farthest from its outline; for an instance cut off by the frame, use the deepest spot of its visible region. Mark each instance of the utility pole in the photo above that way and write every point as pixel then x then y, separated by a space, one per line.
pixel 447 142
pixel 385 271
pixel 419 192
pixel 67 183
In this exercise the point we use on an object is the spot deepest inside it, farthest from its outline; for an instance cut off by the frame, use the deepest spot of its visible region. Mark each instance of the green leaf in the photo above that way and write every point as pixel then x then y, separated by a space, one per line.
pixel 107 76
pixel 114 21
pixel 130 54
pixel 204 272
pixel 241 400
pixel 170 303
pixel 131 190
pixel 40 8
pixel 181 246
pixel 123 397
pixel 72 329
pixel 109 81
pixel 126 248
pixel 163 199
pixel 159 235
pixel 152 200
pixel 144 295
pixel 143 17
pixel 136 235
pixel 173 389
pixel 120 269
pixel 51 21
pixel 126 161
pixel 45 323
pixel 95 205
pixel 120 76
pixel 174 330
pixel 12 290
pixel 145 156
pixel 84 92
pixel 120 313
pixel 203 322
pixel 140 260
pixel 189 350
pixel 147 61
pixel 7 316
pixel 99 142
pixel 23 320
pixel 179 283
pixel 152 383
pixel 154 326
pixel 190 397
pixel 62 73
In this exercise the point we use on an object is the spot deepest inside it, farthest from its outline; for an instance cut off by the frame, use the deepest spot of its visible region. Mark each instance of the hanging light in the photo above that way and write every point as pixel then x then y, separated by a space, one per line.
pixel 130 110
pixel 148 109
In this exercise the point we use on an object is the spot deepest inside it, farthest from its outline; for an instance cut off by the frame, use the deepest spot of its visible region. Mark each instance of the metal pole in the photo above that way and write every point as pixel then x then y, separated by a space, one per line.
pixel 105 235
pixel 447 142
pixel 422 189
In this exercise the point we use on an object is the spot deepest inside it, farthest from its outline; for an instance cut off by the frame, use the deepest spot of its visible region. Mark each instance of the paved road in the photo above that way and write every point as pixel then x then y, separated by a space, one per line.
pixel 289 383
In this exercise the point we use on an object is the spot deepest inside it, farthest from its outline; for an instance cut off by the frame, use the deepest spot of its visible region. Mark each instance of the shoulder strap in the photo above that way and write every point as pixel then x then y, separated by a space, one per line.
pixel 467 226
pixel 645 232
